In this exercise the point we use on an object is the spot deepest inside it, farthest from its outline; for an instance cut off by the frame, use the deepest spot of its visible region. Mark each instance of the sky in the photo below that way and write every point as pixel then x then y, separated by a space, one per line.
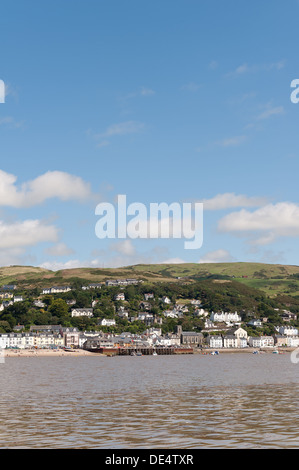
pixel 163 102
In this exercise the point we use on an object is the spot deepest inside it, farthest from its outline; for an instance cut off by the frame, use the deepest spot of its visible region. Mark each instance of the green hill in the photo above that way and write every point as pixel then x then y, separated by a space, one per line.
pixel 272 279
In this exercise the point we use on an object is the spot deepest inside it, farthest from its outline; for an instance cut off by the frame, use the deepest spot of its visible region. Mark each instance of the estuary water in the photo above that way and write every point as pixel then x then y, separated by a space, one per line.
pixel 167 402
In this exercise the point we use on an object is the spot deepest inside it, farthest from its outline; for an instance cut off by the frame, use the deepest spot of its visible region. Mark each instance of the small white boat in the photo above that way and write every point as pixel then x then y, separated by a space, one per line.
pixel 155 354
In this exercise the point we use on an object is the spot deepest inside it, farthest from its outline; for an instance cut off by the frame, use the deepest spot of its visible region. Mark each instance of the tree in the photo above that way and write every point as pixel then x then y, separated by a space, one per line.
pixel 58 308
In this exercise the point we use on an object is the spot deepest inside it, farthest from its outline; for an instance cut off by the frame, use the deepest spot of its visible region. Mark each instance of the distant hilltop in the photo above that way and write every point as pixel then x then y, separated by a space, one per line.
pixel 271 278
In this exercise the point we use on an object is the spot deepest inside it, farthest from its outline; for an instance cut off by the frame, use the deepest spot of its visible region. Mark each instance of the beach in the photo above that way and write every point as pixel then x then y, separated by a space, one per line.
pixel 45 353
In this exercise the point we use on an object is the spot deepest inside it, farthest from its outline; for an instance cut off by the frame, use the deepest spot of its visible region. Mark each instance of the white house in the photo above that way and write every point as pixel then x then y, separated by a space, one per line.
pixel 209 324
pixel 123 314
pixel 56 290
pixel 225 317
pixel 255 322
pixel 200 312
pixel 70 337
pixel 145 317
pixel 148 296
pixel 107 322
pixel 39 304
pixel 241 336
pixel 83 337
pixel 288 331
pixel 261 341
pixel 230 341
pixel 82 312
pixel 18 298
pixel 215 341
pixel 170 314
pixel 120 296
pixel 166 300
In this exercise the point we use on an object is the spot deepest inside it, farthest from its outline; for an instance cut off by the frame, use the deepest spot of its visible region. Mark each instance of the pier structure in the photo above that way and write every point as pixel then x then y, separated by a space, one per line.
pixel 144 351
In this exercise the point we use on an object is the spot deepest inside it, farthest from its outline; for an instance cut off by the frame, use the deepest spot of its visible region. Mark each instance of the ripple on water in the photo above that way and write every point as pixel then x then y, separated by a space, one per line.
pixel 229 401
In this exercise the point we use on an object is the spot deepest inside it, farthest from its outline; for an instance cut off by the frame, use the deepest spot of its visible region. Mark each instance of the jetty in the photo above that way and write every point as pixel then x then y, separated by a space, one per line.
pixel 144 351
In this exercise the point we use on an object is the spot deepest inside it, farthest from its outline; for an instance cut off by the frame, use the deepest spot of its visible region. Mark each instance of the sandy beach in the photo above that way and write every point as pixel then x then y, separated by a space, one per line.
pixel 46 353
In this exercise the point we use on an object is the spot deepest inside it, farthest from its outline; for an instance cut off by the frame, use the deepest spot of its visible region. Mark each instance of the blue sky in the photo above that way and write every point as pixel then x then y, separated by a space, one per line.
pixel 167 101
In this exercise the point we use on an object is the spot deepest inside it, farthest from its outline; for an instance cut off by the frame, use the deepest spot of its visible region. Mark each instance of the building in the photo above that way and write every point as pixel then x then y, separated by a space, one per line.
pixel 261 341
pixel 225 317
pixel 288 316
pixel 82 312
pixel 230 341
pixel 31 340
pixel 215 341
pixel 149 296
pixel 189 338
pixel 120 296
pixel 147 318
pixel 200 312
pixel 92 286
pixel 98 343
pixel 38 304
pixel 6 295
pixel 107 322
pixel 56 290
pixel 288 331
pixel 257 323
pixel 122 282
pixel 70 337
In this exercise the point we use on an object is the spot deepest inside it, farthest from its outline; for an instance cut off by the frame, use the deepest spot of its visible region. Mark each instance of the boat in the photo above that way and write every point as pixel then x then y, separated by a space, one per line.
pixel 155 353
pixel 275 352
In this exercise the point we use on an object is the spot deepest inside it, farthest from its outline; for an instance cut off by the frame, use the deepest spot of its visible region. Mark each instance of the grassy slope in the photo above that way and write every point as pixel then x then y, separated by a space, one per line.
pixel 271 278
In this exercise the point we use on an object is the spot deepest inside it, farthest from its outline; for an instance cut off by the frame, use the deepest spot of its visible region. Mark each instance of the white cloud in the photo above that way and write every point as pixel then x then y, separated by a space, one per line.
pixel 124 247
pixel 174 261
pixel 59 249
pixel 271 111
pixel 245 68
pixel 26 233
pixel 230 200
pixel 217 256
pixel 271 220
pixel 10 122
pixel 191 86
pixel 122 128
pixel 119 129
pixel 233 141
pixel 49 185
pixel 146 91
pixel 57 265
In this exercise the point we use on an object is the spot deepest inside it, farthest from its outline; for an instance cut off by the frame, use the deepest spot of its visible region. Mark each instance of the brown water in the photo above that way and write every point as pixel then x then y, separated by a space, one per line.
pixel 225 401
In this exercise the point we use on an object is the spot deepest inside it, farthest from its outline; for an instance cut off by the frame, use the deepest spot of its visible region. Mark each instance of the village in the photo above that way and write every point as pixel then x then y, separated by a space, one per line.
pixel 219 330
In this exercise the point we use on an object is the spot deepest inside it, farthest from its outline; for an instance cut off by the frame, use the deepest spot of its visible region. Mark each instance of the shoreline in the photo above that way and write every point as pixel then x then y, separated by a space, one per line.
pixel 280 349
pixel 84 353
pixel 46 353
